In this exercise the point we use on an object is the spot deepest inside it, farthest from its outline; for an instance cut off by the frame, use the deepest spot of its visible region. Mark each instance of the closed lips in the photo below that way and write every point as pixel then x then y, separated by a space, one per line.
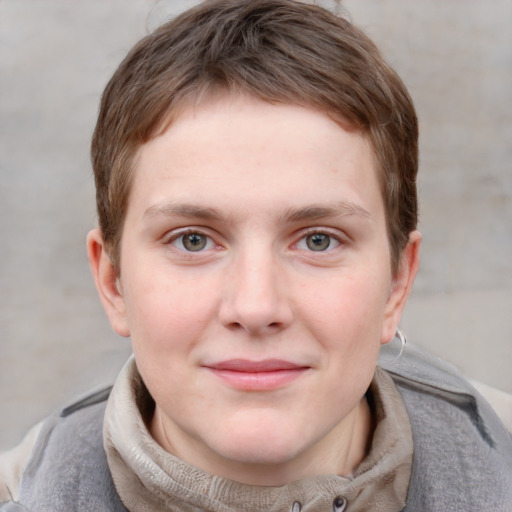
pixel 243 365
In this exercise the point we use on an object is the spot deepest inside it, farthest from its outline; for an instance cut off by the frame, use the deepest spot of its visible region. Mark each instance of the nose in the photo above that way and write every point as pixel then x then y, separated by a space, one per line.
pixel 255 296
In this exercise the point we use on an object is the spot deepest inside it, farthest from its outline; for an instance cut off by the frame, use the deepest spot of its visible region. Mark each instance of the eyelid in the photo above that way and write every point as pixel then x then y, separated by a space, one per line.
pixel 333 233
pixel 174 235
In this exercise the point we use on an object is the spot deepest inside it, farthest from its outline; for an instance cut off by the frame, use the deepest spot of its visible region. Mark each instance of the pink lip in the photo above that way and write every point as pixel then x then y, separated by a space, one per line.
pixel 257 375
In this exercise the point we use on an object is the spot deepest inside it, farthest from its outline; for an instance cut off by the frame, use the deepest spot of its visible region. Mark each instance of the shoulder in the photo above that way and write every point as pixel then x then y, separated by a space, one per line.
pixel 423 374
pixel 66 460
pixel 462 451
pixel 13 462
pixel 500 401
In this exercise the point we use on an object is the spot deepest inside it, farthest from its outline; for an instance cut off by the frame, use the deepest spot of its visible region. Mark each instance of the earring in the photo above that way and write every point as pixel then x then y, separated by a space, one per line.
pixel 403 340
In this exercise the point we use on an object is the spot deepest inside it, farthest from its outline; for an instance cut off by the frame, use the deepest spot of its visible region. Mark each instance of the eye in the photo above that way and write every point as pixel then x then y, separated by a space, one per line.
pixel 318 242
pixel 193 242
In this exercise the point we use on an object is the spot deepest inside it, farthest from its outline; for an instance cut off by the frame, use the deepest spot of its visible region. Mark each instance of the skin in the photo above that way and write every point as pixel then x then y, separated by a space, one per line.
pixel 254 186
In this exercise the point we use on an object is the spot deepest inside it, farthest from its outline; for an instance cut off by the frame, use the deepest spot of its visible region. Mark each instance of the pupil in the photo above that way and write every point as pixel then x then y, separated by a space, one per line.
pixel 194 242
pixel 318 242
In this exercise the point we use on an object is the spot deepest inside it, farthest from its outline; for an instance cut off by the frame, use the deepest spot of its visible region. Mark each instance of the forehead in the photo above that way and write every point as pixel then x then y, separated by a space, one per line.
pixel 242 151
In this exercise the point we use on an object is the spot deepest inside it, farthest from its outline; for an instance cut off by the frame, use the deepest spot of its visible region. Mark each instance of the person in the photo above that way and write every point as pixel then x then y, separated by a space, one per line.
pixel 255 167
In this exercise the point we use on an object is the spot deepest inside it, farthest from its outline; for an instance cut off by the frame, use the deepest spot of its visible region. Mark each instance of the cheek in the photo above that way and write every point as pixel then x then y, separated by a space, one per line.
pixel 166 326
pixel 347 323
pixel 348 309
pixel 166 313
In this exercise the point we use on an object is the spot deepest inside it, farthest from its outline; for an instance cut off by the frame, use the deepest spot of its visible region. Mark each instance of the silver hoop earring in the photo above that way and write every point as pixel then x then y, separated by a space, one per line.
pixel 403 340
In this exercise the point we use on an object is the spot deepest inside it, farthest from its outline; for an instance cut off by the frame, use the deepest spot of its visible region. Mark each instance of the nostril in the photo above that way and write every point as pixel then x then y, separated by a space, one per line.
pixel 255 328
pixel 233 326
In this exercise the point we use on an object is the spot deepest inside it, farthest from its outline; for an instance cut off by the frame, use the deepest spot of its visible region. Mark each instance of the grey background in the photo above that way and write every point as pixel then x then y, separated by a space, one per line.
pixel 55 58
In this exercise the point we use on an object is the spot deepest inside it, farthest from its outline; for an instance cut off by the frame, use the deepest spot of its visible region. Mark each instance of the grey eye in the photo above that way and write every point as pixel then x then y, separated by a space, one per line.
pixel 194 241
pixel 318 242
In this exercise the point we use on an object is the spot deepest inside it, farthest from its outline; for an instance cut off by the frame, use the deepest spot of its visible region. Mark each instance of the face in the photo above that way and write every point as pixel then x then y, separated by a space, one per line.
pixel 256 286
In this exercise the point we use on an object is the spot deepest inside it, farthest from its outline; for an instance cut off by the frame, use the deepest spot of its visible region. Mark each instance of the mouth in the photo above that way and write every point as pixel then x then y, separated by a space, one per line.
pixel 265 375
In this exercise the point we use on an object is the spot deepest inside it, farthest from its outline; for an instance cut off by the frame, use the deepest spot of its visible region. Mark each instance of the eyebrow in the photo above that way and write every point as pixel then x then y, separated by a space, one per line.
pixel 312 212
pixel 183 210
pixel 293 214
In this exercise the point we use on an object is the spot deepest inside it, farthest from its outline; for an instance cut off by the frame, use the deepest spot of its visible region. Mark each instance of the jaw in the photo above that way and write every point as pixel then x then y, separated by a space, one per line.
pixel 266 450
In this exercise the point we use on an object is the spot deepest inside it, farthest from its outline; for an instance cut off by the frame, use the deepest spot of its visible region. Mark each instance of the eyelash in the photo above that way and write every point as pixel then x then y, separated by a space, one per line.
pixel 333 237
pixel 179 238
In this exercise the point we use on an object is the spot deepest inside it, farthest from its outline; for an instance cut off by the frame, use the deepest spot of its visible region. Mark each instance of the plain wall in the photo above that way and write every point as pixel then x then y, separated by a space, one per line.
pixel 55 59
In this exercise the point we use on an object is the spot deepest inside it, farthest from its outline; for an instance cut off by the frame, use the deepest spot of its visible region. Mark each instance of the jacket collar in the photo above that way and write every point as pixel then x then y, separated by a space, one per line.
pixel 149 478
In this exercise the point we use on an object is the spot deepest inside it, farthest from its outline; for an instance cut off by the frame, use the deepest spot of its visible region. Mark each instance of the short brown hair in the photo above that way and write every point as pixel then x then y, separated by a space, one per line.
pixel 279 51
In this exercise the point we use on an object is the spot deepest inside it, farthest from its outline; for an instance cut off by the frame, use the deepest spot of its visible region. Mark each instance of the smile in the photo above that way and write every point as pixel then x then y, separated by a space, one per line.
pixel 264 375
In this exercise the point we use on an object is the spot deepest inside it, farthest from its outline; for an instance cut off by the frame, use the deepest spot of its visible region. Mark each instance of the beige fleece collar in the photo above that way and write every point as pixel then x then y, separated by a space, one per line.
pixel 148 478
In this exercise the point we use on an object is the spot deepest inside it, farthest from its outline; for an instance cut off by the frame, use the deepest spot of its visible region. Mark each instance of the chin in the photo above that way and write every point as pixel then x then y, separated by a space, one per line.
pixel 264 447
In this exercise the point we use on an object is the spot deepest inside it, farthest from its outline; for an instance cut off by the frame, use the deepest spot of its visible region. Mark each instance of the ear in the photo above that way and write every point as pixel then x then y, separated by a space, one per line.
pixel 106 280
pixel 401 287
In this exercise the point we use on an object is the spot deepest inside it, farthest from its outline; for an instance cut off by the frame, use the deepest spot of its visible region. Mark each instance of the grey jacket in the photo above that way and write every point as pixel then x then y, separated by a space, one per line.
pixel 462 452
